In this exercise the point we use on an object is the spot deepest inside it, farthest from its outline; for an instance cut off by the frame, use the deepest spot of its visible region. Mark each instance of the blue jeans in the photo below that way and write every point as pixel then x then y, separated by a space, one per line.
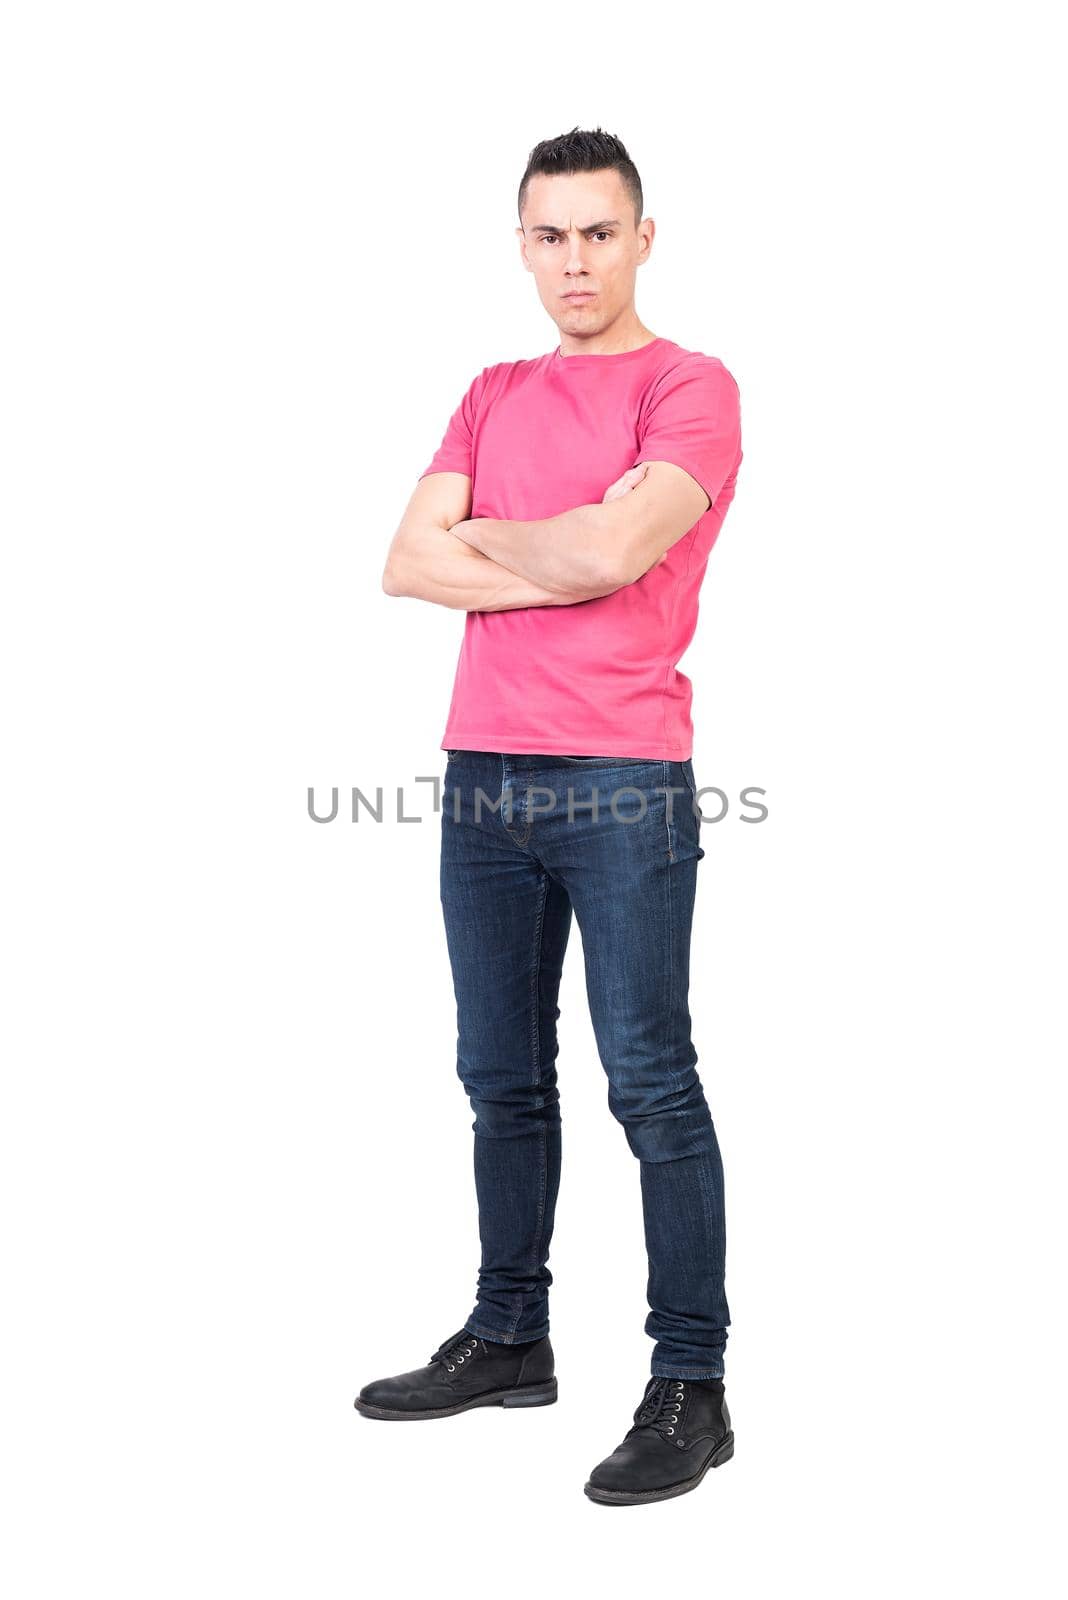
pixel 514 864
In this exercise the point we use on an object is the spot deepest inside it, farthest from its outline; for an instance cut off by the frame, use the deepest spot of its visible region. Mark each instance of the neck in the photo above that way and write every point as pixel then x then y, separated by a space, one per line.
pixel 628 332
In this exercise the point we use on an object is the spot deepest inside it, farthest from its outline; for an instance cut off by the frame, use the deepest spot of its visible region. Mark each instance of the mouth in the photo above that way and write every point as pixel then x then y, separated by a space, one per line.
pixel 581 294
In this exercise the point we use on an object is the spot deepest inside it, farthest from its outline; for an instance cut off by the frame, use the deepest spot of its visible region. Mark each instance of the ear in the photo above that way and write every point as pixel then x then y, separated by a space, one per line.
pixel 522 238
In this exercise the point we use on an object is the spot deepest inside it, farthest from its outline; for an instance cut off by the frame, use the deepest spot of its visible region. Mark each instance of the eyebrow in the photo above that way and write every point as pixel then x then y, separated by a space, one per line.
pixel 547 227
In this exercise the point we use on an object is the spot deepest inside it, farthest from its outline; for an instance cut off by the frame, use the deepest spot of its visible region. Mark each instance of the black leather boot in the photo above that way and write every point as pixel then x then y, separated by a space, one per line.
pixel 681 1428
pixel 465 1372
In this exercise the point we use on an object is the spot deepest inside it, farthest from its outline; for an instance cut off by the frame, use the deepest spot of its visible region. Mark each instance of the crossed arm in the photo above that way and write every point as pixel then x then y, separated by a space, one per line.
pixel 485 564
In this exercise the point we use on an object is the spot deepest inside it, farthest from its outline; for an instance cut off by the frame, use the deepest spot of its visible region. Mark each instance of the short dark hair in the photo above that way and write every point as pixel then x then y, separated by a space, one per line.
pixel 583 150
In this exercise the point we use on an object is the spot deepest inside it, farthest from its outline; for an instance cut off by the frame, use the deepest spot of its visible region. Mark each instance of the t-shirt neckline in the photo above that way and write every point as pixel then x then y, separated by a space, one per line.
pixel 573 363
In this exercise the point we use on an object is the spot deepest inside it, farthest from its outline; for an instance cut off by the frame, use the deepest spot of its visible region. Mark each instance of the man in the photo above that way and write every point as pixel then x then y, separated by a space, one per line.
pixel 570 788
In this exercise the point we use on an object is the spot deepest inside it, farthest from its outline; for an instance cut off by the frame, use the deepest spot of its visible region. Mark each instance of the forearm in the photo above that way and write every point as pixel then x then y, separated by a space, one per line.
pixel 431 564
pixel 579 549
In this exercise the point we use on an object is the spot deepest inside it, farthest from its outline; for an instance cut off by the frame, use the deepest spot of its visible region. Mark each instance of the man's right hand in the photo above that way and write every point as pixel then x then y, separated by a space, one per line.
pixel 626 483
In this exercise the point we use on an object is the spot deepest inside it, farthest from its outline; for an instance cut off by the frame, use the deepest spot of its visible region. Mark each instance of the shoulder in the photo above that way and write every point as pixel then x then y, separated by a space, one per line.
pixel 693 368
pixel 503 374
pixel 504 377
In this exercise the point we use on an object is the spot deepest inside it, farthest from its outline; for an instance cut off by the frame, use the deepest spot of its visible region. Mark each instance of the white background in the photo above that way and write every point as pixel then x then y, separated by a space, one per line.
pixel 254 255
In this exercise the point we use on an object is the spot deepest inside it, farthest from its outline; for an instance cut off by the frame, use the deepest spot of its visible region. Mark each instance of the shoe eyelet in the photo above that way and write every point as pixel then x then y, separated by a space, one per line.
pixel 671 1430
pixel 452 1369
pixel 681 1443
pixel 460 1360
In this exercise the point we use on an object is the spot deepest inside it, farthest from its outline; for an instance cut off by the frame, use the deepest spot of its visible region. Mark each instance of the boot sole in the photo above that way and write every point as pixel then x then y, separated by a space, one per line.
pixel 532 1394
pixel 623 1497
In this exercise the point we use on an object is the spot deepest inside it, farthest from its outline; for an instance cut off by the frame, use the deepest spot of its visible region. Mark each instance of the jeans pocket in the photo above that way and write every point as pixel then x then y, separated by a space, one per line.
pixel 689 822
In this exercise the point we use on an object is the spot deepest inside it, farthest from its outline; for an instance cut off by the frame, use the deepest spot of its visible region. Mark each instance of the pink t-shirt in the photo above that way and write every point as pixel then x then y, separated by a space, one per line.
pixel 540 437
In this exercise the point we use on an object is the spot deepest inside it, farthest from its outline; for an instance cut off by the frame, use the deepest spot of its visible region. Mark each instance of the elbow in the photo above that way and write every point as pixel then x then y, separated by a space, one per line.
pixel 629 562
pixel 595 572
pixel 623 572
pixel 609 573
pixel 392 582
pixel 606 561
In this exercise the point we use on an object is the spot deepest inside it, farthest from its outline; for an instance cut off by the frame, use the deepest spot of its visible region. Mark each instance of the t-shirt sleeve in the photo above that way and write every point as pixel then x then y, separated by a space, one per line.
pixel 456 451
pixel 694 421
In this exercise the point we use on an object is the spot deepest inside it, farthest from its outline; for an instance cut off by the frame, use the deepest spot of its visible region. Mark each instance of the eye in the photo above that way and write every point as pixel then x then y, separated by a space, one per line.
pixel 601 233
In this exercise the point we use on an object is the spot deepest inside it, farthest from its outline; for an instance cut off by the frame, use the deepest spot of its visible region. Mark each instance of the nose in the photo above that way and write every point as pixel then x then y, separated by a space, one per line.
pixel 576 266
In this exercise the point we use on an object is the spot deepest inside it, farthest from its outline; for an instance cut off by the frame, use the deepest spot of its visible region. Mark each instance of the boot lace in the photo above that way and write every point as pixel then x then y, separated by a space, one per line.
pixel 460 1348
pixel 660 1406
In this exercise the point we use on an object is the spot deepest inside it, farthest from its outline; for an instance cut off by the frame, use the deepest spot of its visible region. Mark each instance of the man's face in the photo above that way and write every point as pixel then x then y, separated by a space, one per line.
pixel 579 234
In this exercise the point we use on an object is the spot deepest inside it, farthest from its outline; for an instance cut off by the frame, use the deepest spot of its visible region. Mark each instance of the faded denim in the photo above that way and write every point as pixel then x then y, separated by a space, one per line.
pixel 510 879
